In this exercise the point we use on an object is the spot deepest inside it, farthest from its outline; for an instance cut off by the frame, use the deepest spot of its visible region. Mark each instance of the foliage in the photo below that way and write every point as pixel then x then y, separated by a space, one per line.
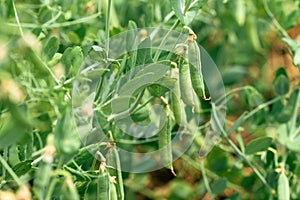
pixel 44 44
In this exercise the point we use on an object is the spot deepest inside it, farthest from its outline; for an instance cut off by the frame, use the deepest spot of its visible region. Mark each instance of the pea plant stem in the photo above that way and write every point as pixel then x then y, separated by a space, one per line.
pixel 275 22
pixel 262 106
pixel 205 179
pixel 293 125
pixel 10 171
pixel 158 52
pixel 107 26
pixel 17 18
pixel 239 152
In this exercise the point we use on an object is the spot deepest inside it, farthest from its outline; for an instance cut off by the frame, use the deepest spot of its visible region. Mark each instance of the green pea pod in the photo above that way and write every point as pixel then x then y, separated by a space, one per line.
pixel 69 191
pixel 252 32
pixel 164 144
pixel 113 191
pixel 185 84
pixel 176 103
pixel 196 106
pixel 283 188
pixel 98 188
pixel 195 66
pixel 43 175
pixel 240 12
pixel 113 160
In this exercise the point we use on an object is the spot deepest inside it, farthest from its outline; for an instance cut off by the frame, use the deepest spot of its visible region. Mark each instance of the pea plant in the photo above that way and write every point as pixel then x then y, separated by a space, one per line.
pixel 168 99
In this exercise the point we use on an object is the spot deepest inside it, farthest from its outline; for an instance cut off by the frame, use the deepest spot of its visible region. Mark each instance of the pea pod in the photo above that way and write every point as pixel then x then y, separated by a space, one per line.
pixel 113 191
pixel 98 188
pixel 185 84
pixel 176 103
pixel 195 66
pixel 164 144
pixel 113 160
pixel 283 187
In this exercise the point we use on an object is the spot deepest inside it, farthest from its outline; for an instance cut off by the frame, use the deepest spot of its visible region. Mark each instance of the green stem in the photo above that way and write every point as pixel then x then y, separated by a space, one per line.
pixel 10 171
pixel 158 52
pixel 107 26
pixel 262 106
pixel 239 153
pixel 5 152
pixel 17 18
pixel 57 25
pixel 50 189
pixel 276 23
pixel 293 125
pixel 197 166
pixel 205 179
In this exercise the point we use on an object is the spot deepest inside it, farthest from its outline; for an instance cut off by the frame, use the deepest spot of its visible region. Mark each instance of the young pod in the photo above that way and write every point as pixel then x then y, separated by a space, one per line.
pixel 195 66
pixel 185 84
pixel 176 103
pixel 164 144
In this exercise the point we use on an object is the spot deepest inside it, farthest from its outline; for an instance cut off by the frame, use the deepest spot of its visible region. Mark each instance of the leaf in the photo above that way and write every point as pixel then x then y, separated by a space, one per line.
pixel 254 97
pixel 186 16
pixel 258 145
pixel 218 186
pixel 144 77
pixel 288 110
pixel 178 8
pixel 66 138
pixel 292 43
pixel 281 82
pixel 290 140
pixel 144 52
pixel 51 47
pixel 283 188
pixel 22 167
pixel 281 85
pixel 296 57
pixel 72 58
pixel 131 36
pixel 13 126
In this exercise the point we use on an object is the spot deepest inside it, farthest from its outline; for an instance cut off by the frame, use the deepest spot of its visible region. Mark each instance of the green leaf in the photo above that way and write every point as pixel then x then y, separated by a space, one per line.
pixel 281 85
pixel 22 167
pixel 281 82
pixel 288 110
pixel 144 52
pixel 144 77
pixel 72 58
pixel 258 145
pixel 186 13
pixel 292 43
pixel 51 47
pixel 13 126
pixel 254 97
pixel 283 188
pixel 66 138
pixel 296 57
pixel 218 186
pixel 178 8
pixel 290 140
pixel 131 36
